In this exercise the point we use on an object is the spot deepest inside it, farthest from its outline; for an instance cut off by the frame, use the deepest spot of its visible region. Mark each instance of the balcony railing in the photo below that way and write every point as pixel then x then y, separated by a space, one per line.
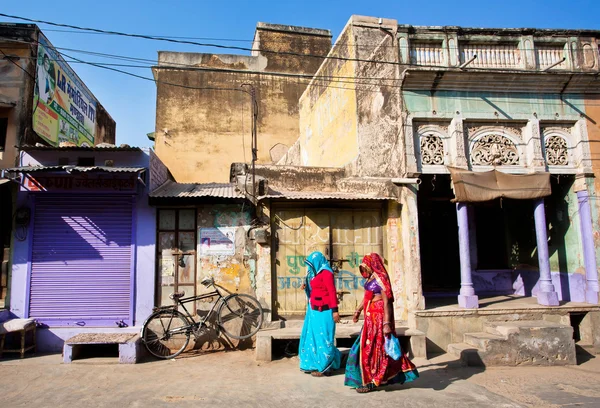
pixel 491 55
pixel 547 55
pixel 427 54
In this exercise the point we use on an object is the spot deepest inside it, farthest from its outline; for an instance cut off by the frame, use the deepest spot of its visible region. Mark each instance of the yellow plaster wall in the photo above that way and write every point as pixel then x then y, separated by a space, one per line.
pixel 328 112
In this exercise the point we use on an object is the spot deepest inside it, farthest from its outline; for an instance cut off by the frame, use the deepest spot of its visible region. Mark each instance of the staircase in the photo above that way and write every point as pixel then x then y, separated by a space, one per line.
pixel 532 342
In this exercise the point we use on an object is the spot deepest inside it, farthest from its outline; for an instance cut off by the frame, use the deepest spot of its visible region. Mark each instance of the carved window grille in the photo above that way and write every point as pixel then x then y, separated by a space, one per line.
pixel 556 151
pixel 494 150
pixel 432 150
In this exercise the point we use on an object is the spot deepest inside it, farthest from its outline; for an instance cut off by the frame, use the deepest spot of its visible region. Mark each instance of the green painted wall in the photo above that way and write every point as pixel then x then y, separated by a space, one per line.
pixel 508 106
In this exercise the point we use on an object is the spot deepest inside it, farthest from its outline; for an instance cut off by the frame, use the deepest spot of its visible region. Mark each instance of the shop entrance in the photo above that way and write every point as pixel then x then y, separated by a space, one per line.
pixel 438 236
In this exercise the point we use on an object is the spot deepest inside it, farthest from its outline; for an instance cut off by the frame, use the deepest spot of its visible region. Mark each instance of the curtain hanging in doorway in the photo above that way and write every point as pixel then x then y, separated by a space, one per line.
pixel 473 187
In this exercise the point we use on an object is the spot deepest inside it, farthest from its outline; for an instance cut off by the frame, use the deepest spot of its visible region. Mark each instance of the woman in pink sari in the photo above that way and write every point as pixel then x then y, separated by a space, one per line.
pixel 368 365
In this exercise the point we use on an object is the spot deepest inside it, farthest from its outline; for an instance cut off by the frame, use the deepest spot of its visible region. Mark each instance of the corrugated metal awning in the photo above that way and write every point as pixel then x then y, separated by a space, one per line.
pixel 99 148
pixel 75 169
pixel 172 189
pixel 321 195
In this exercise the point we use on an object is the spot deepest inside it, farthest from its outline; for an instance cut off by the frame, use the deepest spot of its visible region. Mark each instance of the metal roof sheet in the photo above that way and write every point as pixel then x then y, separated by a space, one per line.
pixel 322 195
pixel 106 148
pixel 75 169
pixel 172 189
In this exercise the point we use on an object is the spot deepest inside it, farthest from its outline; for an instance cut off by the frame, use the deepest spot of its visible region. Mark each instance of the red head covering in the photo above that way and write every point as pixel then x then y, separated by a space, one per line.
pixel 374 262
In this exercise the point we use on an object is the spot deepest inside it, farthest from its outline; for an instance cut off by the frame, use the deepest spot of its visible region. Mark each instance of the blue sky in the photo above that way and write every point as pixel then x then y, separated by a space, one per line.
pixel 131 102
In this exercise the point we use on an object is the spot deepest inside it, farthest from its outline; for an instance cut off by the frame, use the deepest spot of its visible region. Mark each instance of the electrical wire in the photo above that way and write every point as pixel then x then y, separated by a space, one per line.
pixel 283 41
pixel 10 59
pixel 212 45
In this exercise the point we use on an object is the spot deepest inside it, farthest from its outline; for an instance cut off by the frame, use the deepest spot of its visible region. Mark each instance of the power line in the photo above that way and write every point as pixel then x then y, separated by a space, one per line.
pixel 176 65
pixel 312 79
pixel 270 41
pixel 10 59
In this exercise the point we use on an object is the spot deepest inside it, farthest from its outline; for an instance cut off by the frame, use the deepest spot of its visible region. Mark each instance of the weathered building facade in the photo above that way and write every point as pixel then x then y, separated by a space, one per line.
pixel 204 108
pixel 84 250
pixel 423 105
pixel 426 98
pixel 463 156
pixel 42 100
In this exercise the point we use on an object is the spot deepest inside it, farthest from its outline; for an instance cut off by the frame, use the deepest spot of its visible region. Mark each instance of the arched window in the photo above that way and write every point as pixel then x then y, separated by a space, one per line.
pixel 432 150
pixel 557 150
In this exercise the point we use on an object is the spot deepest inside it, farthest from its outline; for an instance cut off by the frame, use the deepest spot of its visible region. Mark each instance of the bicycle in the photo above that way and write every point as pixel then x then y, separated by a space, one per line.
pixel 166 332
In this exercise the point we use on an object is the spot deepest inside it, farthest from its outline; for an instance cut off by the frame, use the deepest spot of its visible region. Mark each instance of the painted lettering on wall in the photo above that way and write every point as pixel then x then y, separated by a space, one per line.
pixel 343 280
pixel 55 183
pixel 295 262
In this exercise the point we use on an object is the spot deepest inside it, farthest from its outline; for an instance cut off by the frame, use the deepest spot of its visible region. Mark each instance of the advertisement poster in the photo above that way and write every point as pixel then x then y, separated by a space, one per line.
pixel 64 109
pixel 217 241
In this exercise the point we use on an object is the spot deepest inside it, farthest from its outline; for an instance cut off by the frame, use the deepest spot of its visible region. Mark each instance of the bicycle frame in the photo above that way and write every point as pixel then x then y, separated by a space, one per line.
pixel 193 324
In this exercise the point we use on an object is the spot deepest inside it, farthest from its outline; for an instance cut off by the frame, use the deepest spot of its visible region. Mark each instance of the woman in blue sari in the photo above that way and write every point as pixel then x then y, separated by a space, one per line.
pixel 318 354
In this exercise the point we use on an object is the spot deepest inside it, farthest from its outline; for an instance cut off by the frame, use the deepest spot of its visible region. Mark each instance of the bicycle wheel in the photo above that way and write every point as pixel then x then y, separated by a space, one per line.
pixel 240 316
pixel 166 333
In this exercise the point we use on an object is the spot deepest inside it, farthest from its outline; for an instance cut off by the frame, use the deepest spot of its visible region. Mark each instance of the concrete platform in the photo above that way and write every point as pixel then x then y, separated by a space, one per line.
pixel 129 344
pixel 534 342
pixel 264 338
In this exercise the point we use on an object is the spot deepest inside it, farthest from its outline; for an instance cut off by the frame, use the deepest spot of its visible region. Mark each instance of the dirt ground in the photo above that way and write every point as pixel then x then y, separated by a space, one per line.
pixel 236 379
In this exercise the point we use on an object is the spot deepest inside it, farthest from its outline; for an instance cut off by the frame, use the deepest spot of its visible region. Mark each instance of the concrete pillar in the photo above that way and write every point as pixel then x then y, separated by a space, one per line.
pixel 589 252
pixel 547 295
pixel 467 297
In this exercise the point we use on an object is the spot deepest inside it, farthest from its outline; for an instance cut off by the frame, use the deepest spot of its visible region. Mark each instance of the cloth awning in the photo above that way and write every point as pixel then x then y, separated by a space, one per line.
pixel 474 187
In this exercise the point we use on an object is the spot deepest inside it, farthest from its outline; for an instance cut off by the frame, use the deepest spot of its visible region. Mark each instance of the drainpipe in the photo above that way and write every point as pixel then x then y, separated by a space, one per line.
pixel 406 180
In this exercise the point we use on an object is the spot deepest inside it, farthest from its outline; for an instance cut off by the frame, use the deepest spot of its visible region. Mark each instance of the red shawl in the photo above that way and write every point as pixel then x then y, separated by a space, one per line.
pixel 374 262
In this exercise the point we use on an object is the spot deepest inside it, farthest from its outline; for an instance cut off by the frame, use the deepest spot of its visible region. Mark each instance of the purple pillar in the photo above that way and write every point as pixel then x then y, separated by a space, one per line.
pixel 547 295
pixel 589 252
pixel 467 297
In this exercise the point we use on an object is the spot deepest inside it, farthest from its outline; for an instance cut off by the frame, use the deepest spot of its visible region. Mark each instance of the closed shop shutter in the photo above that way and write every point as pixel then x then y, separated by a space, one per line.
pixel 81 262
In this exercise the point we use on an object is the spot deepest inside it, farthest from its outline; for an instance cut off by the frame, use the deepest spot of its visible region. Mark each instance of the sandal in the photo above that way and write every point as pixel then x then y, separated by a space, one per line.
pixel 366 388
pixel 320 374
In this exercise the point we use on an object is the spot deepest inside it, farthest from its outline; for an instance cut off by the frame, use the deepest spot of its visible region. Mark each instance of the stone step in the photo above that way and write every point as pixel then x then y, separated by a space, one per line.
pixel 481 340
pixel 466 353
pixel 528 342
pixel 511 327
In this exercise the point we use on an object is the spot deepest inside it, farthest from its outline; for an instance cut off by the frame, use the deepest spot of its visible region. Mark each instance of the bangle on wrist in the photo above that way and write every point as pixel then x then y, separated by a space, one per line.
pixel 388 323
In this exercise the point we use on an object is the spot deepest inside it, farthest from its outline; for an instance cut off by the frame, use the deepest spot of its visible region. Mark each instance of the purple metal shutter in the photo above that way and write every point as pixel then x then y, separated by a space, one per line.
pixel 81 262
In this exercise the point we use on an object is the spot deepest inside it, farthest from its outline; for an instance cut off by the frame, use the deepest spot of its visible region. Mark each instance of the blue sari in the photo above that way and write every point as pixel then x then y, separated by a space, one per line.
pixel 317 350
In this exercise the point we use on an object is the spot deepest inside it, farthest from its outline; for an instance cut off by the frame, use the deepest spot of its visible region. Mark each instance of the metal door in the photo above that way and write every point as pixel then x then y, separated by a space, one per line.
pixel 355 233
pixel 81 262
pixel 343 236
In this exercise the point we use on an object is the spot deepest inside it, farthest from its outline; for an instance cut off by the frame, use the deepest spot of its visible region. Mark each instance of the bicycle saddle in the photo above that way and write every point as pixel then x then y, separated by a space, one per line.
pixel 177 295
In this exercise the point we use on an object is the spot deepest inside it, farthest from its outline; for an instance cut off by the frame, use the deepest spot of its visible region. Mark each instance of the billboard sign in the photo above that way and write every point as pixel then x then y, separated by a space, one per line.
pixel 64 110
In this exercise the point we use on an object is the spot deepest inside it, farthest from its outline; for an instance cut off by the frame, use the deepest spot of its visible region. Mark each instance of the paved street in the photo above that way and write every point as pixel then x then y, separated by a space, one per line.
pixel 235 379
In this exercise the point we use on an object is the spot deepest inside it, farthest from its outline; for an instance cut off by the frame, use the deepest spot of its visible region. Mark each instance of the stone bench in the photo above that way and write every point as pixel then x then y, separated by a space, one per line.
pixel 264 339
pixel 128 345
